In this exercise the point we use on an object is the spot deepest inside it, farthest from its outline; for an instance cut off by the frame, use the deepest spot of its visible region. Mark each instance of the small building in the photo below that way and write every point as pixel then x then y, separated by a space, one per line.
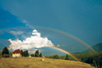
pixel 16 53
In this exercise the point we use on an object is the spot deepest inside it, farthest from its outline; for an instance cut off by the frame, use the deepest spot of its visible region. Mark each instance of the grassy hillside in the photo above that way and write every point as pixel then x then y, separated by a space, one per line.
pixel 26 62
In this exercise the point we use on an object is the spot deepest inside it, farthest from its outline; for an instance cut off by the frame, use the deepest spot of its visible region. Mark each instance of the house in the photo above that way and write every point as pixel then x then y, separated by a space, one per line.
pixel 16 53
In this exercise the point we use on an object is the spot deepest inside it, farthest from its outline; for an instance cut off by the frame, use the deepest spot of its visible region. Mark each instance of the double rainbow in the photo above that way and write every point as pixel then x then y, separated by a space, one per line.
pixel 69 35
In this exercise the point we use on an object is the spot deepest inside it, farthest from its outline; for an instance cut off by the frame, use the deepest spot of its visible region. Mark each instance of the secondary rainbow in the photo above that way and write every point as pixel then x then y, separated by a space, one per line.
pixel 69 35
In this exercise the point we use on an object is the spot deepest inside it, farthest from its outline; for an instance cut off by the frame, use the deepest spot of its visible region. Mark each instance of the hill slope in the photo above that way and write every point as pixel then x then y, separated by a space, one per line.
pixel 97 47
pixel 26 62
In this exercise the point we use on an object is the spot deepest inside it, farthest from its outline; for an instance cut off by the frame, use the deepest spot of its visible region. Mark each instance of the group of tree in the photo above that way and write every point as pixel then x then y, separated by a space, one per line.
pixel 24 53
pixel 37 54
pixel 91 58
pixel 56 56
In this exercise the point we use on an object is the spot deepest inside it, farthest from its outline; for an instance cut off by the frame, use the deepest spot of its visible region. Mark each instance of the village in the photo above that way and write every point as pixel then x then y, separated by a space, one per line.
pixel 19 53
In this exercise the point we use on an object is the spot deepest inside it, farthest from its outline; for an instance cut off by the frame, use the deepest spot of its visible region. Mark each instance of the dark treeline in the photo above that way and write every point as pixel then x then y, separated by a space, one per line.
pixel 24 53
pixel 90 58
pixel 56 56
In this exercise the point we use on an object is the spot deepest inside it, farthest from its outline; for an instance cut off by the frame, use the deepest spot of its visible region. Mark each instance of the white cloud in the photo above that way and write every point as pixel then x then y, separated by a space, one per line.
pixel 34 41
pixel 58 45
pixel 27 24
pixel 24 21
pixel 16 32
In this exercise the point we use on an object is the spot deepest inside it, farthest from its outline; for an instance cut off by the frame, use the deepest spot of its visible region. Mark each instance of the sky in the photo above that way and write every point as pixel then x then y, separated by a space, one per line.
pixel 80 18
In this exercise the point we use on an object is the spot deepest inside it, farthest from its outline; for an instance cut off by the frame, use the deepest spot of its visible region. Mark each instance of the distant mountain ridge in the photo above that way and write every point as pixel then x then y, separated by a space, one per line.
pixel 97 48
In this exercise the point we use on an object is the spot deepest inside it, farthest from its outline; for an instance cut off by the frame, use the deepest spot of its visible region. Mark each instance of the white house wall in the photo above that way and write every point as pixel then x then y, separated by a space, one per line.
pixel 16 55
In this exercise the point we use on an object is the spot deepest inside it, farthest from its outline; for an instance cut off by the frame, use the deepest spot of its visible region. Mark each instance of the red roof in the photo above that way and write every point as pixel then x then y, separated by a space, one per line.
pixel 17 51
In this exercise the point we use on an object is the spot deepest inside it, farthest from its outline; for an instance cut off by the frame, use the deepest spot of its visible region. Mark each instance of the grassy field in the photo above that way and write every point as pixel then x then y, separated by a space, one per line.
pixel 26 62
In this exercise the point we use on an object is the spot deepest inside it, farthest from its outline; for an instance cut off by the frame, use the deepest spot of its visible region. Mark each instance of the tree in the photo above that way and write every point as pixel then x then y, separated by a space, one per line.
pixel 66 58
pixel 56 56
pixel 24 53
pixel 37 53
pixel 5 52
pixel 40 55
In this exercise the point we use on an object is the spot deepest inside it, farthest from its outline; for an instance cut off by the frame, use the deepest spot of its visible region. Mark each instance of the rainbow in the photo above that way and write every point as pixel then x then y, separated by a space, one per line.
pixel 70 54
pixel 69 35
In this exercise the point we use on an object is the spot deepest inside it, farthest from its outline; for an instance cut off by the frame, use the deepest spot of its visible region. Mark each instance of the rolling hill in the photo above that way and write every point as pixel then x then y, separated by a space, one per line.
pixel 97 47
